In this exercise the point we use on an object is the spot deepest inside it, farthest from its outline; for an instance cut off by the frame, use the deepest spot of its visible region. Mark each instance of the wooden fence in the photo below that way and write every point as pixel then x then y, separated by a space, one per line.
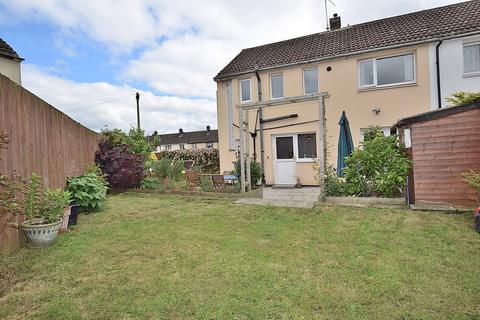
pixel 42 140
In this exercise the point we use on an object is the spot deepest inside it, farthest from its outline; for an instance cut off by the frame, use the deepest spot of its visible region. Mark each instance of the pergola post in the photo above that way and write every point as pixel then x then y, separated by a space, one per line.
pixel 321 153
pixel 242 149
pixel 248 183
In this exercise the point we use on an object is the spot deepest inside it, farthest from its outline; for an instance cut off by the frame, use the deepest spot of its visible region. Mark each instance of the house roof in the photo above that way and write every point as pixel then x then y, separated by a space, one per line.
pixel 408 29
pixel 7 51
pixel 437 114
pixel 189 137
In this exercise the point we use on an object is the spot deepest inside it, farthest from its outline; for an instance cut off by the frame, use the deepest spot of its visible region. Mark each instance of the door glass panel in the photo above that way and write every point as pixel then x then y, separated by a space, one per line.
pixel 284 147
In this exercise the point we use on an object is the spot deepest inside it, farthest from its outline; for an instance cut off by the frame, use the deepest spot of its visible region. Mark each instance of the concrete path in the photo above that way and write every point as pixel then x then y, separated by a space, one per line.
pixel 285 197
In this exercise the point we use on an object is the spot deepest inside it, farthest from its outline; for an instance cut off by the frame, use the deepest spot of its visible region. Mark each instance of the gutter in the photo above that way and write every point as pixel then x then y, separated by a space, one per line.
pixel 408 44
pixel 437 62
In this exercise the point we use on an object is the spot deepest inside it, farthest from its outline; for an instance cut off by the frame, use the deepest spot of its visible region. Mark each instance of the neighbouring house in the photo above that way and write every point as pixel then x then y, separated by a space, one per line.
pixel 378 72
pixel 188 140
pixel 442 145
pixel 10 62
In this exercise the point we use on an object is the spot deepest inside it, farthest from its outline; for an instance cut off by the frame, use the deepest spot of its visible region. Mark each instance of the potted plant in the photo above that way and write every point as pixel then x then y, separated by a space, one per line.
pixel 43 212
pixel 67 210
pixel 298 184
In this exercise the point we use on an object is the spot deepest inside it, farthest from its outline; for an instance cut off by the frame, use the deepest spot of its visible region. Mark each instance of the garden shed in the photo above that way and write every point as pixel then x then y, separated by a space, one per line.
pixel 442 144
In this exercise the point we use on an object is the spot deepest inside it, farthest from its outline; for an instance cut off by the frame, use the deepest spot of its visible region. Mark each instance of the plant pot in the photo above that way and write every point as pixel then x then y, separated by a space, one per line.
pixel 72 220
pixel 66 216
pixel 40 235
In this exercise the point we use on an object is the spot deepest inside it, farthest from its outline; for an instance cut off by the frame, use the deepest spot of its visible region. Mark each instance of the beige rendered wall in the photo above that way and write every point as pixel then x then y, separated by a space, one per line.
pixel 394 102
pixel 11 69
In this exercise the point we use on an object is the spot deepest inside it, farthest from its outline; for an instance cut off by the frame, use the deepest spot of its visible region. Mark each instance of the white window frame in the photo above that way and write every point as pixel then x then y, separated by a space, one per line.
pixel 194 146
pixel 469 44
pixel 181 146
pixel 168 147
pixel 271 87
pixel 250 89
pixel 304 83
pixel 209 145
pixel 295 146
pixel 375 85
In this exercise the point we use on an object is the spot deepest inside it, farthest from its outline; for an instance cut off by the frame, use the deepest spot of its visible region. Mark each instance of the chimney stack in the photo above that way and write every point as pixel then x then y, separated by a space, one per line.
pixel 208 129
pixel 335 22
pixel 180 131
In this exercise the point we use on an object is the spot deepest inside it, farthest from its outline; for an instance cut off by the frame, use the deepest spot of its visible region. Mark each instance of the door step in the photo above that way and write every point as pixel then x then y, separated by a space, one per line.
pixel 283 186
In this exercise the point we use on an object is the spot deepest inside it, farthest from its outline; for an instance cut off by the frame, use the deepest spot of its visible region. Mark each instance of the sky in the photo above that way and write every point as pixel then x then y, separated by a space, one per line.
pixel 89 57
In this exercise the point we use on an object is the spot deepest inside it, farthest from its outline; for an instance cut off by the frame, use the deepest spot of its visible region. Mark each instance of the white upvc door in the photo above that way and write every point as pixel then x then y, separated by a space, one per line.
pixel 284 154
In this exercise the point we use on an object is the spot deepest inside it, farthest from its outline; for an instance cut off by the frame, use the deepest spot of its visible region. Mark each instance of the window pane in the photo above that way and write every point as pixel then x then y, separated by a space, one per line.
pixel 284 147
pixel 395 69
pixel 277 86
pixel 310 81
pixel 366 73
pixel 471 58
pixel 307 146
pixel 245 90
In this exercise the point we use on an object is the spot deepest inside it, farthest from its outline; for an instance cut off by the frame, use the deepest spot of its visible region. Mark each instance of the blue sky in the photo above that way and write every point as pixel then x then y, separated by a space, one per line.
pixel 89 57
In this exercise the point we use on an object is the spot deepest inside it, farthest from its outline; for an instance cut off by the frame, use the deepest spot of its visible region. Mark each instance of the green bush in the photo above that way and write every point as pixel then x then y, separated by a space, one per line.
pixel 88 190
pixel 472 178
pixel 150 183
pixel 53 203
pixel 161 168
pixel 177 168
pixel 463 98
pixel 379 168
pixel 255 171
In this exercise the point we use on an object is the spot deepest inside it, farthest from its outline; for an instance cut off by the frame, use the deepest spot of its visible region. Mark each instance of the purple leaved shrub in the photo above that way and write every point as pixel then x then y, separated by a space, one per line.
pixel 123 168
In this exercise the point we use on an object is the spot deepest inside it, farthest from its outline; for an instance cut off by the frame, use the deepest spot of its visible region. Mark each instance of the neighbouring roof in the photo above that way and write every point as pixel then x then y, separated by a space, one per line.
pixel 7 51
pixel 189 137
pixel 422 26
pixel 437 114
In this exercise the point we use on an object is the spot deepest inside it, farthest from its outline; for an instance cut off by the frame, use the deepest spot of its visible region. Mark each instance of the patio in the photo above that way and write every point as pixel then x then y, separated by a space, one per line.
pixel 305 197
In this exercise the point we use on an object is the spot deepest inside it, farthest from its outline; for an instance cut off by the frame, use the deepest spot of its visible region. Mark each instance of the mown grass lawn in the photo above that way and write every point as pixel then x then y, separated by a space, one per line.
pixel 173 257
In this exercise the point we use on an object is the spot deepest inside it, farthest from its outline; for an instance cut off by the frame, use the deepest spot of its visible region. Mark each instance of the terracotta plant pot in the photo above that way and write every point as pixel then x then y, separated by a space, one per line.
pixel 66 216
pixel 40 235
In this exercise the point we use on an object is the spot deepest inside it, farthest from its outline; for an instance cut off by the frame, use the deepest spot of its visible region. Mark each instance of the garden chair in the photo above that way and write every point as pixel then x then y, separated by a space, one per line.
pixel 192 179
pixel 218 182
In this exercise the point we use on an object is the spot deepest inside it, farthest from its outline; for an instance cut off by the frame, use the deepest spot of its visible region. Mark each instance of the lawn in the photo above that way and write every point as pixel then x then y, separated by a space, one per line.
pixel 173 257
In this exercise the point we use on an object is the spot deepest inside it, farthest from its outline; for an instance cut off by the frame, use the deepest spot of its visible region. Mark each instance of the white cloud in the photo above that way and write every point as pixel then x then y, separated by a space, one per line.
pixel 182 44
pixel 98 104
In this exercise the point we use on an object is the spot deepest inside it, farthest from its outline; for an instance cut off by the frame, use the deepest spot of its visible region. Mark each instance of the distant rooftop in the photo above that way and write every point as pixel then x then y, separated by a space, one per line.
pixel 7 51
pixel 182 137
pixel 408 29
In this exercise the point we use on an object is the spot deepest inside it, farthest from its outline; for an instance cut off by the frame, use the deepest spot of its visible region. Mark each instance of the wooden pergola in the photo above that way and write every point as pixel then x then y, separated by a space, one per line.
pixel 244 108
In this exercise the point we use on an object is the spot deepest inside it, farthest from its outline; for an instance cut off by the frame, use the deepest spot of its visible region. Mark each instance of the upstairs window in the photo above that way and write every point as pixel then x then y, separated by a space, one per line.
pixel 276 86
pixel 245 94
pixel 471 58
pixel 182 146
pixel 209 145
pixel 386 71
pixel 194 146
pixel 310 81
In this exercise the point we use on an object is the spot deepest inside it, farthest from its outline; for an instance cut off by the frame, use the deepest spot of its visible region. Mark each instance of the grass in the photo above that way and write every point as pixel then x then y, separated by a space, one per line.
pixel 172 257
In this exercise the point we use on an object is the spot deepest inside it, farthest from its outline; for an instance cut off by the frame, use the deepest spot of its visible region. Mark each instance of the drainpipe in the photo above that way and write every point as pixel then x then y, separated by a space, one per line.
pixel 439 88
pixel 260 115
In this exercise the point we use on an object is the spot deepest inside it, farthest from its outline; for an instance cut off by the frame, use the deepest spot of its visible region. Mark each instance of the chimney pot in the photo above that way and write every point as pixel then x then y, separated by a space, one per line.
pixel 208 129
pixel 180 131
pixel 335 22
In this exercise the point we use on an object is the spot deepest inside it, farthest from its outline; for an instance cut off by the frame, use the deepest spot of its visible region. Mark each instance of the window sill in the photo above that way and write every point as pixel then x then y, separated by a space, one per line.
pixel 402 85
pixel 471 74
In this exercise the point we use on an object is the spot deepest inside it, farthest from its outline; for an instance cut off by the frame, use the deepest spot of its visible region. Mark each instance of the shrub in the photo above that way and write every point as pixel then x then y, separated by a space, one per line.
pixel 161 168
pixel 177 169
pixel 137 143
pixel 255 171
pixel 53 203
pixel 463 98
pixel 10 188
pixel 207 160
pixel 32 197
pixel 150 183
pixel 123 168
pixel 88 190
pixel 378 168
pixel 472 178
pixel 116 137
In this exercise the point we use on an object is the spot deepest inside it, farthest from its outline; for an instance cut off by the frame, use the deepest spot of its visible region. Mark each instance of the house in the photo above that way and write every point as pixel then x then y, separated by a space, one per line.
pixel 442 144
pixel 378 72
pixel 188 140
pixel 10 62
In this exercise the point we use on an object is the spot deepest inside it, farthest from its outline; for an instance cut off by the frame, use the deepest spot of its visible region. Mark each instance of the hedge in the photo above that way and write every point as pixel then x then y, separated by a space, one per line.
pixel 207 160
